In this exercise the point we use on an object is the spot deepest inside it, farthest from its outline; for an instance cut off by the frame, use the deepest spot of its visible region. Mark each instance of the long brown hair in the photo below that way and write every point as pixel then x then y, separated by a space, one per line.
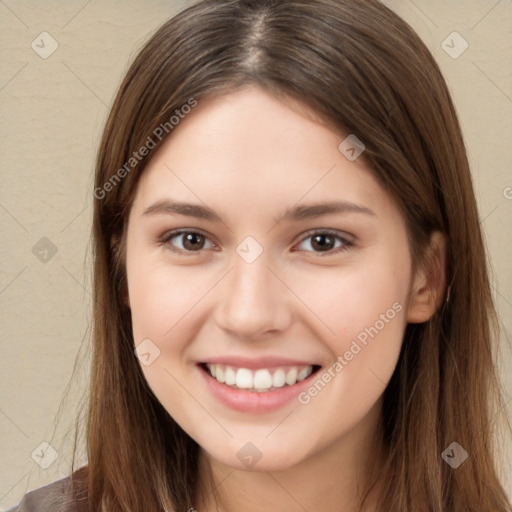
pixel 363 71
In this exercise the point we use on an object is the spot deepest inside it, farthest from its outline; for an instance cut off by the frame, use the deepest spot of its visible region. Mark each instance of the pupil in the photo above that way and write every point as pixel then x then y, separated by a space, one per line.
pixel 191 240
pixel 319 241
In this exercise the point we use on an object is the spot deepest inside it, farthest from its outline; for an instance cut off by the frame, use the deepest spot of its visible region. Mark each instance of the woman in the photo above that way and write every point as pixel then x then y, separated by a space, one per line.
pixel 292 309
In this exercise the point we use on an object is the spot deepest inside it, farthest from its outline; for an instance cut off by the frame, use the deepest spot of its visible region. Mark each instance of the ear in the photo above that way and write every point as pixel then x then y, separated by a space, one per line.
pixel 429 283
pixel 114 246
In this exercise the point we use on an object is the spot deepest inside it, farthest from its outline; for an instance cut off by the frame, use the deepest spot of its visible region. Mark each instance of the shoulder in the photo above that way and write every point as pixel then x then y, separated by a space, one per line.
pixel 54 497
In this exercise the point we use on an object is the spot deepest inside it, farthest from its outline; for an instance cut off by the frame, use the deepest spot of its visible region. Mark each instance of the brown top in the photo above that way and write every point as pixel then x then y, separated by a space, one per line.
pixel 50 498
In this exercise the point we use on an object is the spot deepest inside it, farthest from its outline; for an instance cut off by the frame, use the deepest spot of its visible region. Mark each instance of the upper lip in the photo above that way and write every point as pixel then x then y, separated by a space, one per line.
pixel 257 362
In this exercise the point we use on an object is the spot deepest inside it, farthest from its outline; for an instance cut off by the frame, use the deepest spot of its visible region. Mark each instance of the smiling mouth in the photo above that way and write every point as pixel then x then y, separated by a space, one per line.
pixel 260 380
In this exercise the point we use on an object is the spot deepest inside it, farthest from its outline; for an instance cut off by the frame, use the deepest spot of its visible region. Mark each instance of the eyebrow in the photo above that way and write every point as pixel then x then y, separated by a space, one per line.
pixel 297 213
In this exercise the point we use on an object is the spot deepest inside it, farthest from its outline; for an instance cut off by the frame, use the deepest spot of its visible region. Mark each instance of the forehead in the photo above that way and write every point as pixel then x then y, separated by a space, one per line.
pixel 250 151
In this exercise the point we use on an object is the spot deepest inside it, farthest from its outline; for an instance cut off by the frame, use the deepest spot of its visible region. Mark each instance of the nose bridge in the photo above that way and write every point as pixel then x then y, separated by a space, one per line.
pixel 250 282
pixel 254 300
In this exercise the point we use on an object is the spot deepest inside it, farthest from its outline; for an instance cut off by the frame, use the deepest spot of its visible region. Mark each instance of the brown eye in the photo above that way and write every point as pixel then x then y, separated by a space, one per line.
pixel 186 241
pixel 193 241
pixel 325 242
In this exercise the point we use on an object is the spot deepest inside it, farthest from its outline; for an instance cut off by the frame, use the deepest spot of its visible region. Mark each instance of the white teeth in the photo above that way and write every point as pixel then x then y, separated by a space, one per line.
pixel 244 379
pixel 304 372
pixel 278 378
pixel 230 376
pixel 291 376
pixel 219 373
pixel 260 380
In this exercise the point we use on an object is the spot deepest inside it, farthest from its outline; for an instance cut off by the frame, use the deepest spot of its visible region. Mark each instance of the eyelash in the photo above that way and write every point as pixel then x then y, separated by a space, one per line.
pixel 165 240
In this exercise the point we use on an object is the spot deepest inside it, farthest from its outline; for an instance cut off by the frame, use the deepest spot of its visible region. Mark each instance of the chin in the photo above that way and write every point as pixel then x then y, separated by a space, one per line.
pixel 257 456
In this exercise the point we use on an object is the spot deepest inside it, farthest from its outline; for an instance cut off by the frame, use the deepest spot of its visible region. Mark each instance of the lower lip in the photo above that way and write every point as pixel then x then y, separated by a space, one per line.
pixel 254 401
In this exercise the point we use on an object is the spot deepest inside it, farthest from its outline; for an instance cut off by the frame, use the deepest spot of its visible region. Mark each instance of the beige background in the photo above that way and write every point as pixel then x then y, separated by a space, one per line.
pixel 52 113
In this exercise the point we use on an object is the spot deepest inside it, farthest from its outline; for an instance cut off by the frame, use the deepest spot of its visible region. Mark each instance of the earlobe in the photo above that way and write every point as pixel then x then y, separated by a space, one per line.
pixel 429 284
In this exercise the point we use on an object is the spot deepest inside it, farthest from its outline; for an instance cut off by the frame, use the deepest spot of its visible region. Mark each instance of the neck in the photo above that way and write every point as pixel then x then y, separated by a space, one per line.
pixel 331 480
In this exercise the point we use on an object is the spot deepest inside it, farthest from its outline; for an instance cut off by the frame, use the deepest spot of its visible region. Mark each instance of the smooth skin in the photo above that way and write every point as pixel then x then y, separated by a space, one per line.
pixel 251 158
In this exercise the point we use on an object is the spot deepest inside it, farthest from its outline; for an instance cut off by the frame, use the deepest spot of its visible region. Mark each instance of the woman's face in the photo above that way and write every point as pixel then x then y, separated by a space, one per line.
pixel 294 260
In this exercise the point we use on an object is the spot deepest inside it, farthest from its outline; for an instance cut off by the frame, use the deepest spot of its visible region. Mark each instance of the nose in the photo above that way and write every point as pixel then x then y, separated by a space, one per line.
pixel 254 302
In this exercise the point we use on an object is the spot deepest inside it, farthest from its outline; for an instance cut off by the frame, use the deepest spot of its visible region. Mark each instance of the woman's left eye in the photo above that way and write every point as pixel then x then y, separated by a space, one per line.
pixel 319 241
pixel 325 242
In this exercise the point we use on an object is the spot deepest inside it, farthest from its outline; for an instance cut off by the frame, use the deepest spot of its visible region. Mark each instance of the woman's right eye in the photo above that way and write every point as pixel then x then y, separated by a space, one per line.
pixel 188 241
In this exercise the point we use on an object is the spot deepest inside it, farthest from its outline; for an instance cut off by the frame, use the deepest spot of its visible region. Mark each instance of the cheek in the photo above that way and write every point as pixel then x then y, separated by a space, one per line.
pixel 162 302
pixel 160 297
pixel 348 301
pixel 365 308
